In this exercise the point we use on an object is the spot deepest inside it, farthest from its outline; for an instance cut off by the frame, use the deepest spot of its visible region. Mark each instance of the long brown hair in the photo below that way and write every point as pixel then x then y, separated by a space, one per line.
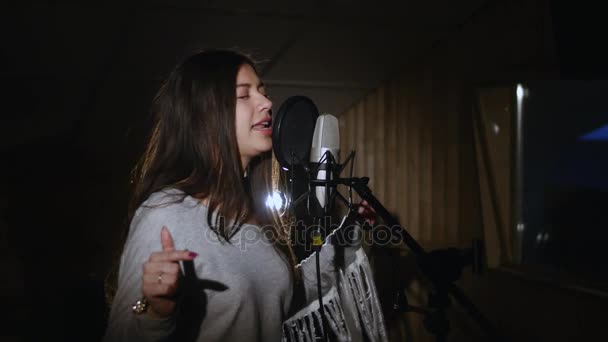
pixel 193 148
pixel 193 144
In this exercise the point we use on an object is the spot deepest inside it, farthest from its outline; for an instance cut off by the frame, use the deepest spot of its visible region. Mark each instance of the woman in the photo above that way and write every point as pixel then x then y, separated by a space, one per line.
pixel 194 215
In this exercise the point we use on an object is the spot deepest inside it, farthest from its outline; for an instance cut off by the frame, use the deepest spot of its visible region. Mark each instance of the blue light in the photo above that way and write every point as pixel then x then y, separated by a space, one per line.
pixel 600 134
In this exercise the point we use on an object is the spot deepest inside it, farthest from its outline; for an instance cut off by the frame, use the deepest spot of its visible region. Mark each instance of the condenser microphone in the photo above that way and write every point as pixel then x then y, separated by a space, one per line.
pixel 325 150
pixel 301 139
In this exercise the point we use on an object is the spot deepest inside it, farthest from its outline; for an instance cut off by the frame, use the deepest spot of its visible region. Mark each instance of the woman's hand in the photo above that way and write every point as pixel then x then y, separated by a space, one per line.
pixel 367 212
pixel 162 275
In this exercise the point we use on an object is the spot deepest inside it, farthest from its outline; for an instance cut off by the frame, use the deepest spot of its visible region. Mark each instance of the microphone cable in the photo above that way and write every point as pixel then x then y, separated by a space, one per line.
pixel 317 241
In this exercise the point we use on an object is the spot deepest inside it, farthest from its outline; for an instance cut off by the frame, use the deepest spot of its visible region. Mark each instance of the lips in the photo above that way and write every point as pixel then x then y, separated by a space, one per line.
pixel 263 125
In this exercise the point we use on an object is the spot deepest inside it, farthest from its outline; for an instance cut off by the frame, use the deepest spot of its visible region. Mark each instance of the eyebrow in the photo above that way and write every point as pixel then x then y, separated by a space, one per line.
pixel 249 85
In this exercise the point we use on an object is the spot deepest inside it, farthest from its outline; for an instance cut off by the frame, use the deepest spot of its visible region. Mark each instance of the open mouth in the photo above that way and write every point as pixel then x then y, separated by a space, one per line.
pixel 265 124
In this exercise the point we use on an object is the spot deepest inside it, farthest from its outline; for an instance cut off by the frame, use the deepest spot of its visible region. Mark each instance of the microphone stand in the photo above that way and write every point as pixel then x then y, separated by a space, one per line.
pixel 317 238
pixel 439 266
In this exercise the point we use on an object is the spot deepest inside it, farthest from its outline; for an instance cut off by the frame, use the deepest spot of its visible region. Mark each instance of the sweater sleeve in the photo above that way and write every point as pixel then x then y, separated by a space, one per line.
pixel 143 239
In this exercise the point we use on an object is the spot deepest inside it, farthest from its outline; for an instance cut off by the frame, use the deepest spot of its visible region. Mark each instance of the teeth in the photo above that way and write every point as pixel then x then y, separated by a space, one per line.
pixel 263 125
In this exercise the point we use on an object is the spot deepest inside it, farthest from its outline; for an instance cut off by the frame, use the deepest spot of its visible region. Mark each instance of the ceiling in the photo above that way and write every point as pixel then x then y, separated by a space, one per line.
pixel 94 68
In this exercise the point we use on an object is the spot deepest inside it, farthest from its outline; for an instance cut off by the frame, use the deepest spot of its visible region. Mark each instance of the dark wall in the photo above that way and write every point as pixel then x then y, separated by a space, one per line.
pixel 565 183
pixel 509 42
pixel 580 36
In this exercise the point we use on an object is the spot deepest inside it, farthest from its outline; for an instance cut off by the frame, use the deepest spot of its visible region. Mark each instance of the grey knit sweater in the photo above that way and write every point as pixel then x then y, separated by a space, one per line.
pixel 233 292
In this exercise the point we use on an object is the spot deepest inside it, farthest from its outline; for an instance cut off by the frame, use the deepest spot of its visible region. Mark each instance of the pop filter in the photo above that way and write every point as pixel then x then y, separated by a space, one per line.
pixel 292 129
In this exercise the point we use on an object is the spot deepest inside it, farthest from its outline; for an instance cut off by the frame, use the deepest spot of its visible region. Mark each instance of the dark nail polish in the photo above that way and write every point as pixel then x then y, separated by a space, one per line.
pixel 193 255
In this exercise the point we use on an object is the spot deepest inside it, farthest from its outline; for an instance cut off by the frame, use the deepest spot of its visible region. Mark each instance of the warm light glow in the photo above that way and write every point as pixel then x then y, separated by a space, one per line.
pixel 520 92
pixel 275 201
pixel 495 128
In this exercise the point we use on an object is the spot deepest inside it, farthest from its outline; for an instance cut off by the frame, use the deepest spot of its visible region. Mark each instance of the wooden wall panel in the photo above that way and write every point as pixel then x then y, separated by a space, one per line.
pixel 410 147
pixel 414 136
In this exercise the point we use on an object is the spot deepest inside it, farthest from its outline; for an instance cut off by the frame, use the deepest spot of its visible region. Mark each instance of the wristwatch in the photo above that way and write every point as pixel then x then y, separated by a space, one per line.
pixel 140 306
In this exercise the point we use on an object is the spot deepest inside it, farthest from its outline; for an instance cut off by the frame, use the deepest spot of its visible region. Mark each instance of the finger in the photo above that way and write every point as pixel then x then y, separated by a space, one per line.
pixel 360 209
pixel 172 256
pixel 158 267
pixel 365 211
pixel 166 240
pixel 161 278
pixel 151 289
pixel 364 204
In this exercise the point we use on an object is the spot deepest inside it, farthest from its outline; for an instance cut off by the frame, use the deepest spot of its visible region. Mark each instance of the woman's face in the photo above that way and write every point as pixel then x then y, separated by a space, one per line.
pixel 253 126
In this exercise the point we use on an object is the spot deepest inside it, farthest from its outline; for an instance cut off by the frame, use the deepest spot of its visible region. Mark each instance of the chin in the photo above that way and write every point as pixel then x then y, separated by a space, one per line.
pixel 265 146
pixel 259 150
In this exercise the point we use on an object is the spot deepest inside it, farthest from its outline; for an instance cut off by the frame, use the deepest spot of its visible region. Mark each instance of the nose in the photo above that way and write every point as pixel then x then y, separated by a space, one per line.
pixel 265 104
